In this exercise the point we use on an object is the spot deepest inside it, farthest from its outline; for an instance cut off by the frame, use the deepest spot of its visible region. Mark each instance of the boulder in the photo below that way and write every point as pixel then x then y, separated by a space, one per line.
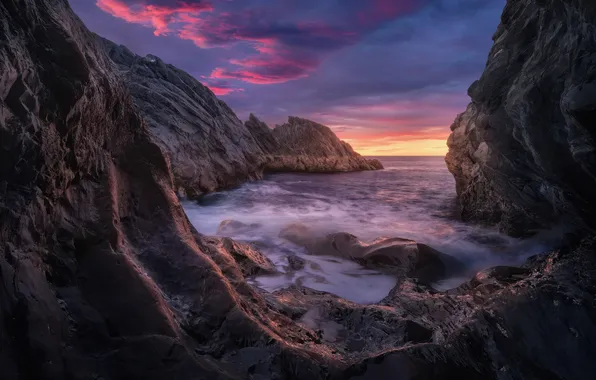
pixel 395 255
pixel 234 227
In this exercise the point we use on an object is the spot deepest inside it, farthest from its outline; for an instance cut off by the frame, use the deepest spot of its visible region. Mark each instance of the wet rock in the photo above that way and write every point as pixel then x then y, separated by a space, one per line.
pixel 500 275
pixel 395 255
pixel 298 234
pixel 234 227
pixel 296 263
pixel 244 256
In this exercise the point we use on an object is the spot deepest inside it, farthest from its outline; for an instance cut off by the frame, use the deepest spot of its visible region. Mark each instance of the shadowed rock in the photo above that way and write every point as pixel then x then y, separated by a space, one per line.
pixel 101 274
pixel 103 277
pixel 234 255
pixel 523 153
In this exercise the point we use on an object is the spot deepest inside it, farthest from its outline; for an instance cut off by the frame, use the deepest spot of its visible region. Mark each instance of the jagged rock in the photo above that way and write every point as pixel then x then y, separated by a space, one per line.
pixel 503 332
pixel 101 274
pixel 262 134
pixel 209 147
pixel 306 146
pixel 523 153
pixel 235 255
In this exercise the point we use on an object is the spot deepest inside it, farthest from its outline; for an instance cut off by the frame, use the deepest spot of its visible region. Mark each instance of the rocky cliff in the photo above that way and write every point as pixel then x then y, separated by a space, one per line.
pixel 101 274
pixel 306 146
pixel 523 153
pixel 209 147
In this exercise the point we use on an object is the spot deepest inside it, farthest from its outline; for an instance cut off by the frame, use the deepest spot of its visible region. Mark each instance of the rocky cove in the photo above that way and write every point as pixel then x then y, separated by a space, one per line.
pixel 103 276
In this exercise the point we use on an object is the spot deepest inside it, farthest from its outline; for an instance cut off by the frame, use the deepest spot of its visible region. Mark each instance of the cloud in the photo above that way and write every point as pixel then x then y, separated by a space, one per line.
pixel 158 16
pixel 376 71
pixel 282 51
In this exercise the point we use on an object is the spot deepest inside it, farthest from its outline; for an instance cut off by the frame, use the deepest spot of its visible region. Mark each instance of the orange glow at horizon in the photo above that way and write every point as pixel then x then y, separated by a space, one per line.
pixel 422 147
pixel 430 141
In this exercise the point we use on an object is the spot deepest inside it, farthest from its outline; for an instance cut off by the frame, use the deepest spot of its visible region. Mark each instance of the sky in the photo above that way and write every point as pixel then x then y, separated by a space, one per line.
pixel 388 76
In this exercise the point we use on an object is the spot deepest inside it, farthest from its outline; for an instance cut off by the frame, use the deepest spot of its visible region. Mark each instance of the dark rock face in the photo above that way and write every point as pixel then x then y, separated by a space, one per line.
pixel 103 277
pixel 262 134
pixel 209 147
pixel 523 153
pixel 235 255
pixel 101 274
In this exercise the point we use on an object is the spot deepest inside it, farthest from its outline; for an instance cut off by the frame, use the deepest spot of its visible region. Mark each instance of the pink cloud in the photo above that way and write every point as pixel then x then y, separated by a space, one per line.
pixel 158 17
pixel 282 51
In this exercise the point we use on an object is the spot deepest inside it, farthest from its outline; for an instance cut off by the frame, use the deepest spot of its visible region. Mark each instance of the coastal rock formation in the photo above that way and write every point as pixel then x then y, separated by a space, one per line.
pixel 502 327
pixel 402 257
pixel 306 146
pixel 101 274
pixel 103 277
pixel 523 153
pixel 208 146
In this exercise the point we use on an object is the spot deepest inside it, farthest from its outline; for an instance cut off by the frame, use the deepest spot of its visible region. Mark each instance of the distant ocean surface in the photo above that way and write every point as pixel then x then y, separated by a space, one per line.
pixel 413 197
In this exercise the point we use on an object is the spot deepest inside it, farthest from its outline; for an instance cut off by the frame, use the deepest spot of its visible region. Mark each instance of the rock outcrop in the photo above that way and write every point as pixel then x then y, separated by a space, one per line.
pixel 523 153
pixel 209 147
pixel 306 146
pixel 537 322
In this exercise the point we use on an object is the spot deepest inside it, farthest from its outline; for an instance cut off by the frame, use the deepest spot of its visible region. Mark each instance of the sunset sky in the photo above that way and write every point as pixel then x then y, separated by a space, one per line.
pixel 388 76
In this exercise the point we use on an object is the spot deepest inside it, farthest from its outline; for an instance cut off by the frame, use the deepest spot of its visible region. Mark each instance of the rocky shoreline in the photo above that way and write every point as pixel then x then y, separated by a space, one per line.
pixel 103 277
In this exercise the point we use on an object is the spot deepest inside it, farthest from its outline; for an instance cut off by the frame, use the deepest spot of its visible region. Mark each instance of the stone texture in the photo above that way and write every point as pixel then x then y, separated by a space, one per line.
pixel 209 147
pixel 103 277
pixel 306 146
pixel 538 322
pixel 523 153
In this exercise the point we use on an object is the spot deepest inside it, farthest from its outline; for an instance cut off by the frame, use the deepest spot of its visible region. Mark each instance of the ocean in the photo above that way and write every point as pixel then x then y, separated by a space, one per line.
pixel 413 198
